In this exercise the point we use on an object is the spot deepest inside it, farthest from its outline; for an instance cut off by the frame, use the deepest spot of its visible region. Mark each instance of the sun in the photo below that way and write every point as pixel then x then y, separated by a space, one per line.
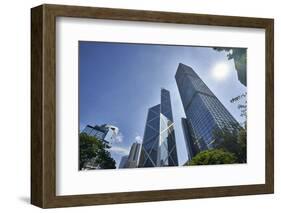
pixel 220 71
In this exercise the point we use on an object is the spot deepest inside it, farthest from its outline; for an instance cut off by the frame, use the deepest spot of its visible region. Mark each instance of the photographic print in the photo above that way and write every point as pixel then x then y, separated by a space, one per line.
pixel 120 94
pixel 155 105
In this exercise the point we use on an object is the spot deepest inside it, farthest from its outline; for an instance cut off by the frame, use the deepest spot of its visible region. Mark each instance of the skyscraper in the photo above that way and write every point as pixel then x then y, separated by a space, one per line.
pixel 159 143
pixel 106 133
pixel 131 160
pixel 204 112
pixel 192 145
pixel 133 157
pixel 123 162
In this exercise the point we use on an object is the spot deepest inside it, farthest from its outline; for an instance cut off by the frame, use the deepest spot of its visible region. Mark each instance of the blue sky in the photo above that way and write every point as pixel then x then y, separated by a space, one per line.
pixel 118 82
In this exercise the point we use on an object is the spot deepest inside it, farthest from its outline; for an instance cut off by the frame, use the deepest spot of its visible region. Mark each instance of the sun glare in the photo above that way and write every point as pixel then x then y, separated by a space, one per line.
pixel 220 71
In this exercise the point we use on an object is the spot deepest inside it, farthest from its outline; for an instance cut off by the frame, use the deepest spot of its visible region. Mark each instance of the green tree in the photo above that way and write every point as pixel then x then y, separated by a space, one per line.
pixel 233 142
pixel 242 141
pixel 93 151
pixel 241 100
pixel 212 157
pixel 242 135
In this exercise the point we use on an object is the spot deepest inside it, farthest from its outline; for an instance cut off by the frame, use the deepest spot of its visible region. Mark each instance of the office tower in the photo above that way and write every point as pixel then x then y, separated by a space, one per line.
pixel 190 139
pixel 159 143
pixel 204 112
pixel 123 162
pixel 134 155
pixel 106 133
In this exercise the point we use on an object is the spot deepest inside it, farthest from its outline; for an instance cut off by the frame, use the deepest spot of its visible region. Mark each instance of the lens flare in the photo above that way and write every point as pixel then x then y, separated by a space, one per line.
pixel 220 71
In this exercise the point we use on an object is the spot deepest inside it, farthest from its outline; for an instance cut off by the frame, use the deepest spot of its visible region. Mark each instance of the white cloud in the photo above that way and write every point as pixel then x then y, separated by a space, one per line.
pixel 138 139
pixel 119 150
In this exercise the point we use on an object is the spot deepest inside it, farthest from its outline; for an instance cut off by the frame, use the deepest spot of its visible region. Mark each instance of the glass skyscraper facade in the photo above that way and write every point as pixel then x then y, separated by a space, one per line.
pixel 192 145
pixel 123 162
pixel 131 160
pixel 134 155
pixel 204 112
pixel 159 143
pixel 106 133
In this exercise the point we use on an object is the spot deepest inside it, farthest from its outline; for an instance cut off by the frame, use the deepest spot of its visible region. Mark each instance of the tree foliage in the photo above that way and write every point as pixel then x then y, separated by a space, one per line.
pixel 241 100
pixel 94 153
pixel 230 148
pixel 242 141
pixel 212 157
pixel 233 142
